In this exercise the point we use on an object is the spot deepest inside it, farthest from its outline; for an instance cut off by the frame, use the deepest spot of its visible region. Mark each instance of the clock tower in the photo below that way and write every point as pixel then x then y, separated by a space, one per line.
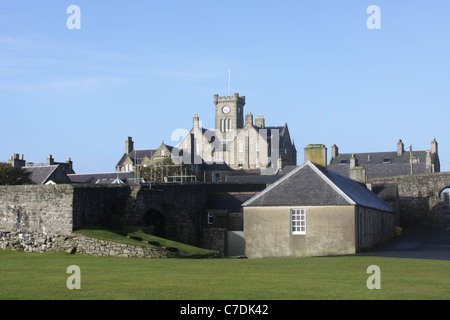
pixel 229 114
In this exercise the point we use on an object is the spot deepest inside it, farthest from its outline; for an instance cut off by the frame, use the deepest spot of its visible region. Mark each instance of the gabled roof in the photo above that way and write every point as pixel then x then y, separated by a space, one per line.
pixel 382 157
pixel 136 155
pixel 40 174
pixel 383 164
pixel 312 185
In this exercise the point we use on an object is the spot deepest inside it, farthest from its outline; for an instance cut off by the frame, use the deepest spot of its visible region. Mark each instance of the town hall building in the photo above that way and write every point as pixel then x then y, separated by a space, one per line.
pixel 239 142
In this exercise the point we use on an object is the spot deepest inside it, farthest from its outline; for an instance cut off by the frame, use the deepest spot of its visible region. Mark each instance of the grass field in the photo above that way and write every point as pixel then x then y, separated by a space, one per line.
pixel 139 233
pixel 43 276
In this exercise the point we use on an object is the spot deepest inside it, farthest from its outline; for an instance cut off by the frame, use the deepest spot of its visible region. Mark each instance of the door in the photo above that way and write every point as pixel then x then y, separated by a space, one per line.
pixel 235 243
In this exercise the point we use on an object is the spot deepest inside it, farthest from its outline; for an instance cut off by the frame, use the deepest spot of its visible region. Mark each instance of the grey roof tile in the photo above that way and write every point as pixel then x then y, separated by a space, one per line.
pixel 39 174
pixel 382 164
pixel 311 185
pixel 94 177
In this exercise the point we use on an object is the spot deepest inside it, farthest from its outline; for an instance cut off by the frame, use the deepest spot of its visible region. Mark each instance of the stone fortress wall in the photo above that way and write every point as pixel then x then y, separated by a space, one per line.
pixel 43 217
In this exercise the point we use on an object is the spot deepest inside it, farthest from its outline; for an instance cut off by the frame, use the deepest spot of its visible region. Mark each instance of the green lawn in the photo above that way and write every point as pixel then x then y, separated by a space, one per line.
pixel 184 250
pixel 43 276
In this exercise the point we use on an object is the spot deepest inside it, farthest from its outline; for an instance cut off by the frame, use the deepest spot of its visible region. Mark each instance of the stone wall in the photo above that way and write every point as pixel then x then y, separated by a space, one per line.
pixel 415 198
pixel 99 205
pixel 36 209
pixel 373 227
pixel 33 215
pixel 75 243
pixel 214 239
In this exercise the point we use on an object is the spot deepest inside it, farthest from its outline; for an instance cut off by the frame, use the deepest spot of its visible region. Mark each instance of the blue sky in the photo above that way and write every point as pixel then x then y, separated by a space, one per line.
pixel 144 68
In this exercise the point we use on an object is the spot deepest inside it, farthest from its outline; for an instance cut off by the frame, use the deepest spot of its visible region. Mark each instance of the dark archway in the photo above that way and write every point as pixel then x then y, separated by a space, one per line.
pixel 154 220
pixel 445 197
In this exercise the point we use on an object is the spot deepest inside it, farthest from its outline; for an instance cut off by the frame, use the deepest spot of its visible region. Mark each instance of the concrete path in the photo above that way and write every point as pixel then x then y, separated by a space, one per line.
pixel 416 243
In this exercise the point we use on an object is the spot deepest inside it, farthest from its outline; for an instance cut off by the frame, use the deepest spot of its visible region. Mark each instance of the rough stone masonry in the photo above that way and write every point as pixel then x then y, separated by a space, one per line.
pixel 43 217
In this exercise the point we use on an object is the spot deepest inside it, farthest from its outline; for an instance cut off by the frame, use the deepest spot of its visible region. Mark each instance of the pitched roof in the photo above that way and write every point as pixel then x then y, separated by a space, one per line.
pixel 311 185
pixel 228 200
pixel 383 164
pixel 255 176
pixel 94 177
pixel 137 155
pixel 40 174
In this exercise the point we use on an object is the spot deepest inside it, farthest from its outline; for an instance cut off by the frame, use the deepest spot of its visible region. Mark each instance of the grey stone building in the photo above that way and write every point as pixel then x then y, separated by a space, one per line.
pixel 315 212
pixel 50 172
pixel 132 158
pixel 370 165
pixel 238 142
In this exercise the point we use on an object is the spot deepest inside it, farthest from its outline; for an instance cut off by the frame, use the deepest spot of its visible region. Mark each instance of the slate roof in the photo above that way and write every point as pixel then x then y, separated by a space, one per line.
pixel 94 177
pixel 257 177
pixel 312 185
pixel 281 131
pixel 139 155
pixel 383 164
pixel 228 200
pixel 39 174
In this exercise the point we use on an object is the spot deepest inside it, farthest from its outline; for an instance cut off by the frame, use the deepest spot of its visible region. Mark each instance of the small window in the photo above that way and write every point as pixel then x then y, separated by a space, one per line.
pixel 257 162
pixel 240 164
pixel 386 160
pixel 298 221
pixel 344 161
pixel 241 147
pixel 210 217
pixel 256 146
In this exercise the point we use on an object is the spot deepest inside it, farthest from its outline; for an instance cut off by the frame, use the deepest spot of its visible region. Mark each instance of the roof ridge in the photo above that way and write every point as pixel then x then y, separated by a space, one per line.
pixel 332 184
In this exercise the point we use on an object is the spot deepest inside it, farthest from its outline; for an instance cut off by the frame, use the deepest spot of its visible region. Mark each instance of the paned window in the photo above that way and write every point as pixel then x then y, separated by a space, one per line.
pixel 298 221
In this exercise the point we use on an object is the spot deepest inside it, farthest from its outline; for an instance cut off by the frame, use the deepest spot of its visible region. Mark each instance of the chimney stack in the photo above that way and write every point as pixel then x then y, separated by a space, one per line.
pixel 316 153
pixel 196 121
pixel 249 119
pixel 259 122
pixel 434 147
pixel 400 148
pixel 129 145
pixel 334 151
pixel 50 160
pixel 17 161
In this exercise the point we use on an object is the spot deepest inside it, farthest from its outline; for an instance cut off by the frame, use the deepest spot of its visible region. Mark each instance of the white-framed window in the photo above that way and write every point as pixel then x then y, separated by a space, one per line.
pixel 257 162
pixel 256 147
pixel 210 217
pixel 240 163
pixel 240 147
pixel 298 221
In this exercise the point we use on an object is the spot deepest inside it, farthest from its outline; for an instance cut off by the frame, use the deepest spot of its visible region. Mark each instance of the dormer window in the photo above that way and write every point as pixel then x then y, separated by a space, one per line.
pixel 386 160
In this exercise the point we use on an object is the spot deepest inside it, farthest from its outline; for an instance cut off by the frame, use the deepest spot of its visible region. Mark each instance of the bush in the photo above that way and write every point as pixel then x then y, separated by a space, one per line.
pixel 14 176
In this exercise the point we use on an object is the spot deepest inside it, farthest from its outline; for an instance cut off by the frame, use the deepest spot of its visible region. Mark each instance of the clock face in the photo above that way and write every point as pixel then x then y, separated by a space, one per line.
pixel 226 109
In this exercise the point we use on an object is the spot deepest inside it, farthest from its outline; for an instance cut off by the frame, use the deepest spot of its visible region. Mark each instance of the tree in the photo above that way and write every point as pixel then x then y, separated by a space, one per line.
pixel 14 176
